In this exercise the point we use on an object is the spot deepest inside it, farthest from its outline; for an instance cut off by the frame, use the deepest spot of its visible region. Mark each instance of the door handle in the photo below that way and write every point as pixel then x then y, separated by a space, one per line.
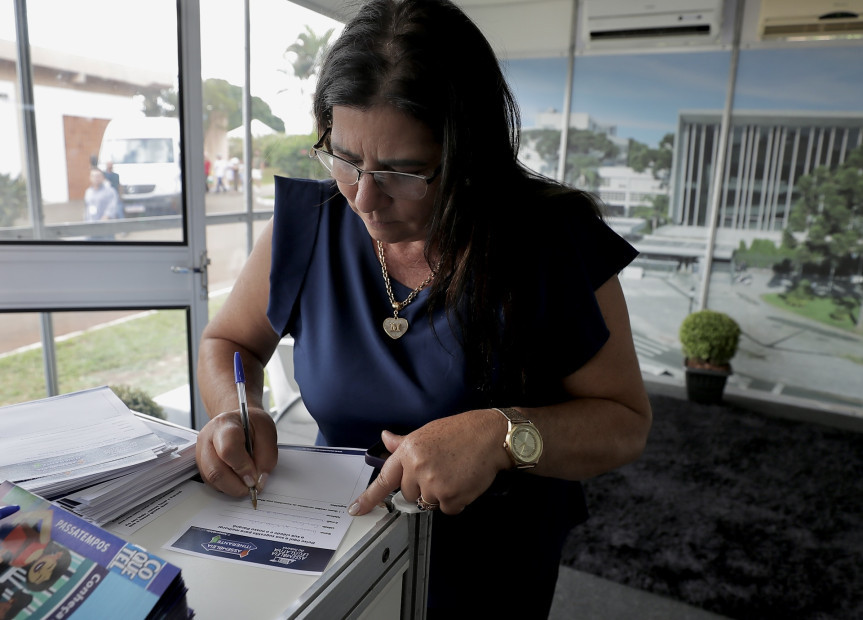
pixel 201 268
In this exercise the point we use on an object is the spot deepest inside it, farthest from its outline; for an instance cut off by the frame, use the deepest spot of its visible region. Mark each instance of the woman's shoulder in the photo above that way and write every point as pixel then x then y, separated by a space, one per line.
pixel 301 190
pixel 300 202
pixel 558 211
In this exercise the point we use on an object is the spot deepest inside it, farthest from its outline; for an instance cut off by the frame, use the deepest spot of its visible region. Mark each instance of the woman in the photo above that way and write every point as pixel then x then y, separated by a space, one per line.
pixel 439 296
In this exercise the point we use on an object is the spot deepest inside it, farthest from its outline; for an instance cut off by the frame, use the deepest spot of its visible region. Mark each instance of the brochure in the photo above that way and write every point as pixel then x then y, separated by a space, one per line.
pixel 56 565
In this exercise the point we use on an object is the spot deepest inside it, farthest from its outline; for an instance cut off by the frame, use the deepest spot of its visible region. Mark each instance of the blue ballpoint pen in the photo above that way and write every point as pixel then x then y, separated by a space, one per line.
pixel 240 378
pixel 5 511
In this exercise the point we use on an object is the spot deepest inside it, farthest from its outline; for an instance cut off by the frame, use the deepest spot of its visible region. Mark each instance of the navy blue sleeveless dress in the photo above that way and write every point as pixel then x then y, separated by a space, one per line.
pixel 327 291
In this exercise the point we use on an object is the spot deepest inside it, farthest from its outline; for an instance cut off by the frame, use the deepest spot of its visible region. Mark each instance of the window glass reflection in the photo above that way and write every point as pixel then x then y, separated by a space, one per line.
pixel 90 75
pixel 21 377
pixel 790 210
pixel 285 47
pixel 142 350
pixel 622 138
pixel 13 191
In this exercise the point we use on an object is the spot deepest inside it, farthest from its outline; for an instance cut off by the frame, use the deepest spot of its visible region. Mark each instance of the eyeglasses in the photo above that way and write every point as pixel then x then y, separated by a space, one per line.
pixel 399 185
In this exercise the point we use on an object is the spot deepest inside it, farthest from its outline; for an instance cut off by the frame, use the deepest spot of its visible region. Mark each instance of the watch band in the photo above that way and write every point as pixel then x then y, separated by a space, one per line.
pixel 512 415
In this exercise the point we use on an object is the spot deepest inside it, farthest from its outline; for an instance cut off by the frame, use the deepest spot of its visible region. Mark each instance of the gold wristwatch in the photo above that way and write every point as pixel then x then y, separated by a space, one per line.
pixel 523 442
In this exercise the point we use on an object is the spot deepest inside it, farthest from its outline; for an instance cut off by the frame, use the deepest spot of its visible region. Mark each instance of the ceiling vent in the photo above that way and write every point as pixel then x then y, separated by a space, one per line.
pixel 811 19
pixel 625 23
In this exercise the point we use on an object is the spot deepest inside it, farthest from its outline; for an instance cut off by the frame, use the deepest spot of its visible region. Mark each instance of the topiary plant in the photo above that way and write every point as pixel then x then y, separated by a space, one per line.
pixel 709 339
pixel 138 400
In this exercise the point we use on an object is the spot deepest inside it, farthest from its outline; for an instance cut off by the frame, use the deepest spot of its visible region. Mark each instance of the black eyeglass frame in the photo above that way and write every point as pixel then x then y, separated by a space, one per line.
pixel 317 148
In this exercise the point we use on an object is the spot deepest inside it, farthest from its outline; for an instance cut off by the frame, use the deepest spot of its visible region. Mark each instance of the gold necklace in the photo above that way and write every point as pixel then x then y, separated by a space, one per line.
pixel 395 327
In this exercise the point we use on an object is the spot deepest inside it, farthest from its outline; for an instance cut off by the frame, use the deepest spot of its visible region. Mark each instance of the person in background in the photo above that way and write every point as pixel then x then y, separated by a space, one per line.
pixel 100 199
pixel 443 299
pixel 234 173
pixel 207 169
pixel 220 168
pixel 114 180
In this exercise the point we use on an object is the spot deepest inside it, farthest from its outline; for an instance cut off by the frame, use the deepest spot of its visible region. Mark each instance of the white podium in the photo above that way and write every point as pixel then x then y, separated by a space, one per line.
pixel 379 571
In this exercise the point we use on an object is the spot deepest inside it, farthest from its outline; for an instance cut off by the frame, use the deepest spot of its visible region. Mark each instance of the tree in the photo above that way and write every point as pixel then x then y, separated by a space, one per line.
pixel 307 53
pixel 159 102
pixel 830 213
pixel 546 142
pixel 656 213
pixel 223 105
pixel 586 152
pixel 223 109
pixel 640 157
pixel 224 100
pixel 289 156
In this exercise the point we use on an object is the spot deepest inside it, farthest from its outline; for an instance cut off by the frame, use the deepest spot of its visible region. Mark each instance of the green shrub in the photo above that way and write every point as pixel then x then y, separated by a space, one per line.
pixel 13 200
pixel 709 337
pixel 138 400
pixel 800 294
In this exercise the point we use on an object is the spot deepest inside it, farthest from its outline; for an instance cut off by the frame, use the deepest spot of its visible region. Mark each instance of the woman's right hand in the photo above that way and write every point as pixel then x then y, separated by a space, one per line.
pixel 221 452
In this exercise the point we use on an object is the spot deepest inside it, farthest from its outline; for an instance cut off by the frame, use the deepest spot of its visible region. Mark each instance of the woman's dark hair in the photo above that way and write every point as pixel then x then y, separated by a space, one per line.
pixel 428 59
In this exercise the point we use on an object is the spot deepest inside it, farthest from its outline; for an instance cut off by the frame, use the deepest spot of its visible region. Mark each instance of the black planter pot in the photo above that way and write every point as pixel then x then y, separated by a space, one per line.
pixel 705 386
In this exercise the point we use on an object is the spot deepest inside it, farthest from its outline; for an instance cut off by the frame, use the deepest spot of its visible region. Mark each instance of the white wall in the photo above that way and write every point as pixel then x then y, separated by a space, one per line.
pixel 52 104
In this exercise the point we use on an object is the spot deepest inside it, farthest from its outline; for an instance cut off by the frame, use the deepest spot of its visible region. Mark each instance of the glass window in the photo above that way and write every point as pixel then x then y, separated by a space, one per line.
pixel 283 72
pixel 624 132
pixel 790 214
pixel 13 190
pixel 105 116
pixel 539 87
pixel 142 351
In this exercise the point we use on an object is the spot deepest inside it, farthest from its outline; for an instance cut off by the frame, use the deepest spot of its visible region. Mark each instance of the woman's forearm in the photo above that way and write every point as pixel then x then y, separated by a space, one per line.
pixel 216 376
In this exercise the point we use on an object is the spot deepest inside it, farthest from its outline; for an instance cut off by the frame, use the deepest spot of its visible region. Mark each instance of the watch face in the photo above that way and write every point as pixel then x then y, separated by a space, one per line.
pixel 526 444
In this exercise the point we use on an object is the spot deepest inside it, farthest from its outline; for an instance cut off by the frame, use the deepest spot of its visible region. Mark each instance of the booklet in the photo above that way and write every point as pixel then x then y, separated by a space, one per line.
pixel 56 565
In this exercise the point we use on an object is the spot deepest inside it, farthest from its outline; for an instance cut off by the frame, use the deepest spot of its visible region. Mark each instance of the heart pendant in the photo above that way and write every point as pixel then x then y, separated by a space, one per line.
pixel 395 328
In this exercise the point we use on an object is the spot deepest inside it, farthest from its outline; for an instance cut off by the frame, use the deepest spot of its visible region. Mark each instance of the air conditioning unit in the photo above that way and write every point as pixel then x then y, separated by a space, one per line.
pixel 631 23
pixel 815 19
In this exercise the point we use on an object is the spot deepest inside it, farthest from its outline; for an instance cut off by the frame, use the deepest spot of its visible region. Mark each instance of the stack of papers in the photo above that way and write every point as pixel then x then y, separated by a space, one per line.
pixel 91 454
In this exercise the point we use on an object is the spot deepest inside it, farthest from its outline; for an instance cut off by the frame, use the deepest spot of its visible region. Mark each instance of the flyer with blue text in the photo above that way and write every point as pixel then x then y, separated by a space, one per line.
pixel 56 565
pixel 301 518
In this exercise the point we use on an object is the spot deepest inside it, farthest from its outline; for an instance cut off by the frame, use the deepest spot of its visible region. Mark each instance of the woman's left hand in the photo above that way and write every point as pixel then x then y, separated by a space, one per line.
pixel 449 462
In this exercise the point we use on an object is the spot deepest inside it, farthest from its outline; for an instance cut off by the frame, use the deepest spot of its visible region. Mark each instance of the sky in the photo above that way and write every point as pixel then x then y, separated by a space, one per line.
pixel 641 94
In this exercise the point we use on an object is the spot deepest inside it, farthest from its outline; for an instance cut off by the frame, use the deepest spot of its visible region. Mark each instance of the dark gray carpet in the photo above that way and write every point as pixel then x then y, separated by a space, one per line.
pixel 735 512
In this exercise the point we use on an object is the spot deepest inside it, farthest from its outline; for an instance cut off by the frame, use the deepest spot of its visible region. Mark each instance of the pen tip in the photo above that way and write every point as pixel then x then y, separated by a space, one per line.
pixel 253 493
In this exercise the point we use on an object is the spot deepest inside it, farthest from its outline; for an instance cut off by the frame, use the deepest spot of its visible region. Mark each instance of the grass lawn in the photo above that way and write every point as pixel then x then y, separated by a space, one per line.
pixel 147 352
pixel 841 313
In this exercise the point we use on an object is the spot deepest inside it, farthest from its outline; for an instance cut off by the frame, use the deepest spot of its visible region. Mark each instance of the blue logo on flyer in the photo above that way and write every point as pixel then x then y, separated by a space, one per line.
pixel 136 564
pixel 231 547
pixel 288 555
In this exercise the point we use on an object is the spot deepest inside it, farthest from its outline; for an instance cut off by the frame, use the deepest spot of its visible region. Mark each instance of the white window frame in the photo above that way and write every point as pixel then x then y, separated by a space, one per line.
pixel 44 277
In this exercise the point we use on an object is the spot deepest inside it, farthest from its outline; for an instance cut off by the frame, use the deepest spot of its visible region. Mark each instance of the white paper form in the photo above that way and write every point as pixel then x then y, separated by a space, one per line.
pixel 134 520
pixel 102 502
pixel 70 432
pixel 302 514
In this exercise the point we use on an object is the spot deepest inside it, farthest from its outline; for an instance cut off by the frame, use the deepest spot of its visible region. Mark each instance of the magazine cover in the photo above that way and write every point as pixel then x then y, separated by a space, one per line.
pixel 56 565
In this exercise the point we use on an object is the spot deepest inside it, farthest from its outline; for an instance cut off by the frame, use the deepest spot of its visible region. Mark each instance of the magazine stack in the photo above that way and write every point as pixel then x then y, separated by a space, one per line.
pixel 54 564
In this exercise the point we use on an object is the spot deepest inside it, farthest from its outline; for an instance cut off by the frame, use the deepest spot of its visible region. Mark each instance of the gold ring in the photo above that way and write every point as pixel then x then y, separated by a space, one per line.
pixel 424 505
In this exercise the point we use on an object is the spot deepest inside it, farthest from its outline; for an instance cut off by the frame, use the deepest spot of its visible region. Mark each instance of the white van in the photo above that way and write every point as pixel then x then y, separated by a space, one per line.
pixel 145 153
